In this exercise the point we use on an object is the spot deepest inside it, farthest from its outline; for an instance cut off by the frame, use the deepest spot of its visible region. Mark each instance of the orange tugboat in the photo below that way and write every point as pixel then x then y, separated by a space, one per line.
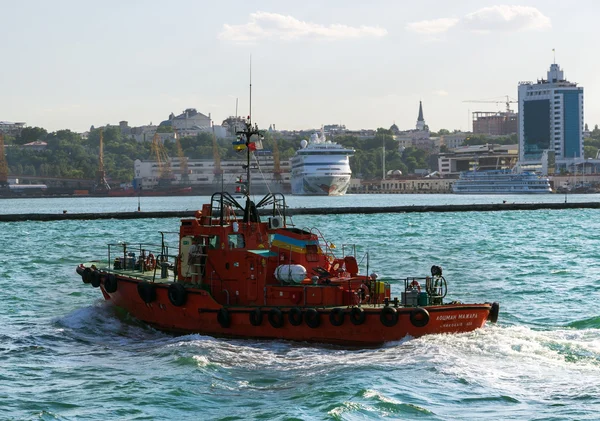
pixel 237 272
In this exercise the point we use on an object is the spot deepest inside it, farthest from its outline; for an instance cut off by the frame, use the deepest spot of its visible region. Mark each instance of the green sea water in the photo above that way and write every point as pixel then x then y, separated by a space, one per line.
pixel 65 354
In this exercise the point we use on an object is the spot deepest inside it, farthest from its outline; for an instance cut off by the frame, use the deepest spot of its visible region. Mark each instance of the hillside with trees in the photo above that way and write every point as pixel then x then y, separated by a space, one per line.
pixel 69 155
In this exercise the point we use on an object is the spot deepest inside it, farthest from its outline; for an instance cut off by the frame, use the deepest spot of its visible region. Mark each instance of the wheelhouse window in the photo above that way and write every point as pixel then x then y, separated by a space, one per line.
pixel 312 253
pixel 213 242
pixel 236 241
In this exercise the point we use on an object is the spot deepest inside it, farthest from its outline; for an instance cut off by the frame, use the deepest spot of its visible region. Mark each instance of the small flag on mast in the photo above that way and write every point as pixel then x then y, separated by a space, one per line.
pixel 239 145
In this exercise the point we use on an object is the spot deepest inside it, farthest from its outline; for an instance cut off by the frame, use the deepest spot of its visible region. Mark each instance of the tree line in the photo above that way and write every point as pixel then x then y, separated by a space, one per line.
pixel 68 154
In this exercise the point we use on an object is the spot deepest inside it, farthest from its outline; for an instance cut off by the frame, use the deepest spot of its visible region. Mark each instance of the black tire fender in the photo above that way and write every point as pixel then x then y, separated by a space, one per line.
pixel 146 291
pixel 223 317
pixel 86 275
pixel 388 316
pixel 256 317
pixel 177 294
pixel 337 316
pixel 419 317
pixel 96 279
pixel 110 283
pixel 494 311
pixel 312 318
pixel 276 318
pixel 357 316
pixel 295 316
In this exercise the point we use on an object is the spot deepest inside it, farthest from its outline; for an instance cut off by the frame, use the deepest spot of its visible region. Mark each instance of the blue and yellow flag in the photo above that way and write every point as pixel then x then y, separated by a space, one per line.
pixel 239 145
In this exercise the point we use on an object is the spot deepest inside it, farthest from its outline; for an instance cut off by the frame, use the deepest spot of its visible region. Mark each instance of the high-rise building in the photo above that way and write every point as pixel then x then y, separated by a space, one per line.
pixel 550 119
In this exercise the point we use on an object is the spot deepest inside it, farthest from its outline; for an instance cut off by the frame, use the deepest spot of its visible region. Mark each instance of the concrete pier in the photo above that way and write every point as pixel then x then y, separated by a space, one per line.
pixel 308 211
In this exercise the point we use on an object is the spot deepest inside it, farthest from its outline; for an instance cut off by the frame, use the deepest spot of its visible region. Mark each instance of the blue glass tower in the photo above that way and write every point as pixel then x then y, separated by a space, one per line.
pixel 550 119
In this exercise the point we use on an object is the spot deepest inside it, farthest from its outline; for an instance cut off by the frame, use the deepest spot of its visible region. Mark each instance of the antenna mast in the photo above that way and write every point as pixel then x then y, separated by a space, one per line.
pixel 250 112
pixel 246 136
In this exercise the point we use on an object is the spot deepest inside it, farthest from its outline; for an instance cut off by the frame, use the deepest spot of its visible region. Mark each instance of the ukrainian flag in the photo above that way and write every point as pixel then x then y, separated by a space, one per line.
pixel 239 145
pixel 287 243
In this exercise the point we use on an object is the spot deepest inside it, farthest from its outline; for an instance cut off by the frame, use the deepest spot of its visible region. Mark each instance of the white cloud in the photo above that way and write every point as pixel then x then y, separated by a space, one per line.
pixel 432 27
pixel 501 18
pixel 506 18
pixel 263 25
pixel 441 92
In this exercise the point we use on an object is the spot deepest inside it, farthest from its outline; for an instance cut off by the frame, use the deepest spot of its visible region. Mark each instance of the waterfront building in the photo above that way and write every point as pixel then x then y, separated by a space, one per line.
pixel 551 119
pixel 402 185
pixel 204 176
pixel 484 157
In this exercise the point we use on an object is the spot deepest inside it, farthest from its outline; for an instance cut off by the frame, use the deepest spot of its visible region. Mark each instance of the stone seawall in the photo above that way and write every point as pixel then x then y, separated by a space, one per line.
pixel 306 211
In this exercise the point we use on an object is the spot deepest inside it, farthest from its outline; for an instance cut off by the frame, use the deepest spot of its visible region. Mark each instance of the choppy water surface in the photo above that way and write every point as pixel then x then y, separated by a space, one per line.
pixel 67 355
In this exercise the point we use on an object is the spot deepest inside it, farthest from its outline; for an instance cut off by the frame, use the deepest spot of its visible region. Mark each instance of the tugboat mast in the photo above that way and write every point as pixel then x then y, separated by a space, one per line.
pixel 250 212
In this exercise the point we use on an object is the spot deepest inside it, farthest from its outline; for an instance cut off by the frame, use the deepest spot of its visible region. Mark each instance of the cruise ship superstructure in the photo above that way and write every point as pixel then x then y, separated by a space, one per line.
pixel 321 167
pixel 501 182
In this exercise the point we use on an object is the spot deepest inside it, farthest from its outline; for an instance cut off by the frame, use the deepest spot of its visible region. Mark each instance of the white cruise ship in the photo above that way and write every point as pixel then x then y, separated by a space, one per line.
pixel 321 168
pixel 501 182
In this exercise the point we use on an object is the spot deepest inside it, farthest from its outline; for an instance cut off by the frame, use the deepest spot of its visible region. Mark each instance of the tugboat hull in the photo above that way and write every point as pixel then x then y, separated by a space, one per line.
pixel 367 325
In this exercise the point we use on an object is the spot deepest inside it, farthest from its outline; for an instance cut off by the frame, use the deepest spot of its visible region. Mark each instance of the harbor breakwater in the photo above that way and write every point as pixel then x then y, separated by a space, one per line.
pixel 307 211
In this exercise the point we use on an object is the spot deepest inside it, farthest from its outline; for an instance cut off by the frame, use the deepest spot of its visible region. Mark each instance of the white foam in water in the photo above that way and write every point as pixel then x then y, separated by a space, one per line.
pixel 517 360
pixel 201 360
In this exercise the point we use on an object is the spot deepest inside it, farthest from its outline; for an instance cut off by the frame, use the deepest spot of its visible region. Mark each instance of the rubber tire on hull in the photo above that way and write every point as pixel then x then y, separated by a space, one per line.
pixel 256 317
pixel 337 316
pixel 146 291
pixel 96 279
pixel 312 318
pixel 357 316
pixel 419 317
pixel 223 317
pixel 177 294
pixel 388 316
pixel 295 316
pixel 110 283
pixel 86 276
pixel 494 311
pixel 276 318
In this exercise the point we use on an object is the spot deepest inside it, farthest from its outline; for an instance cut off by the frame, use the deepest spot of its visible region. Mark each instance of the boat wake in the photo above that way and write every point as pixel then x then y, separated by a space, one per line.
pixel 105 324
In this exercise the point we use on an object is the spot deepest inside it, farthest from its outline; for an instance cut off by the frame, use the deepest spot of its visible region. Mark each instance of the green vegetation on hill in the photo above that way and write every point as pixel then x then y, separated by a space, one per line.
pixel 68 155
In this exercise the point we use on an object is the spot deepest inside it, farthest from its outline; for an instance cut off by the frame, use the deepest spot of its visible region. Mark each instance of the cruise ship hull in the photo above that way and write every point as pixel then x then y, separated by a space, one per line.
pixel 320 185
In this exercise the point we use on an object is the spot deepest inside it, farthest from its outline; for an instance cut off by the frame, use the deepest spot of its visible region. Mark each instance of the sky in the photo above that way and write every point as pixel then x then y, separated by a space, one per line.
pixel 73 64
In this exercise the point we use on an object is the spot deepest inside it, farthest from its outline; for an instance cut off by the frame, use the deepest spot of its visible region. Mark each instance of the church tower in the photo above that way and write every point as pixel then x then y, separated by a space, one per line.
pixel 420 120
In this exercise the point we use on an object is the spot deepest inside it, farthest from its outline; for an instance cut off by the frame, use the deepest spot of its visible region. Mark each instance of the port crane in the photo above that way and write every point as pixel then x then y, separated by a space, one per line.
pixel 183 162
pixel 507 102
pixel 165 176
pixel 101 184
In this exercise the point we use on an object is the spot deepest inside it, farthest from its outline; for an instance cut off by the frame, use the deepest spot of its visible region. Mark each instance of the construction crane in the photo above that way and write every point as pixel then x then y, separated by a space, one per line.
pixel 101 184
pixel 183 162
pixel 3 164
pixel 165 176
pixel 507 102
pixel 216 157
